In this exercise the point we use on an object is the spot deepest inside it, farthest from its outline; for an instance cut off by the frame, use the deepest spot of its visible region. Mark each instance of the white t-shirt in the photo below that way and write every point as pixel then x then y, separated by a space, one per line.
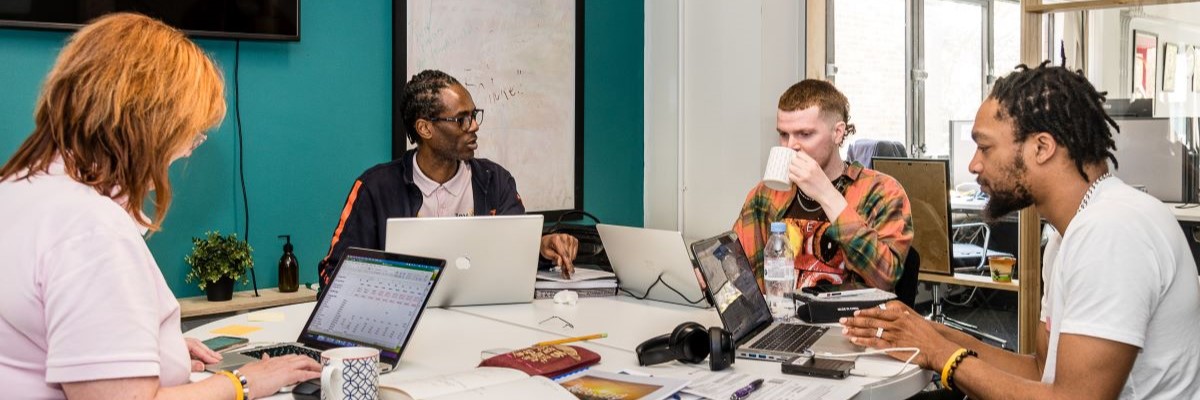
pixel 81 298
pixel 1123 272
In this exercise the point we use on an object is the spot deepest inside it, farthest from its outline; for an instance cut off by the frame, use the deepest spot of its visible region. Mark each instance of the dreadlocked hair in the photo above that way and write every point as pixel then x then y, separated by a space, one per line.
pixel 1062 103
pixel 422 99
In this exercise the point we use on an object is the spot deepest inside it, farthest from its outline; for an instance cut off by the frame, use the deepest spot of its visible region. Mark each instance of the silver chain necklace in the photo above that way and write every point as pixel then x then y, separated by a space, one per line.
pixel 839 184
pixel 800 197
pixel 1092 190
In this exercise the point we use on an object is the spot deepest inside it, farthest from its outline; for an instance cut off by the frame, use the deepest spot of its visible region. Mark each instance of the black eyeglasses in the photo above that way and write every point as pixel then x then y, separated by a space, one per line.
pixel 464 122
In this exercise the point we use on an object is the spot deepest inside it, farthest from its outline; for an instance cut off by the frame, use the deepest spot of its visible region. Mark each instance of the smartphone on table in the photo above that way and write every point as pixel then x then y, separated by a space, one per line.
pixel 220 343
pixel 818 366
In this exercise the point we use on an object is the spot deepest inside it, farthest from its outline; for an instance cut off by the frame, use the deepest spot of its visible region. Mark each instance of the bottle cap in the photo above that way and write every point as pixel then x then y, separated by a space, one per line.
pixel 287 247
pixel 778 227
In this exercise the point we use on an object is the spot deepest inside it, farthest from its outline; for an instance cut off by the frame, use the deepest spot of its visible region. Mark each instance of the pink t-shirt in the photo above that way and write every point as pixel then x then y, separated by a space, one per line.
pixel 82 298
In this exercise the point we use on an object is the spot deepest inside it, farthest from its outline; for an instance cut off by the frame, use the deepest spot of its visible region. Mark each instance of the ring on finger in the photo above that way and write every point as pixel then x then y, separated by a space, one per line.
pixel 883 306
pixel 879 332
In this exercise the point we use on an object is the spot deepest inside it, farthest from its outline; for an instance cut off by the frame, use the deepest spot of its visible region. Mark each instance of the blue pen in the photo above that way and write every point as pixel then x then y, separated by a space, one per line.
pixel 745 392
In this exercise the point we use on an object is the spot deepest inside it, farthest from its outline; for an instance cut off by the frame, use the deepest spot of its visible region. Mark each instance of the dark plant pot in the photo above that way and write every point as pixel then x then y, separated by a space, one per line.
pixel 221 290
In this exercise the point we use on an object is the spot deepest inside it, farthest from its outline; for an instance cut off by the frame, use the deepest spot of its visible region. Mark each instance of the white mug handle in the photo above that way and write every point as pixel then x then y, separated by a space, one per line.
pixel 329 390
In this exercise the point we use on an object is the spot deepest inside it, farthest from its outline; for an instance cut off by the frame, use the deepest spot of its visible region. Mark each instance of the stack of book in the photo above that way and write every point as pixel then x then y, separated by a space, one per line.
pixel 586 282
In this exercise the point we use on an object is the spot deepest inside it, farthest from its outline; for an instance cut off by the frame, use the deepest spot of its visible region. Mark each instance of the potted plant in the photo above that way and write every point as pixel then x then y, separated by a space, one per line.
pixel 217 262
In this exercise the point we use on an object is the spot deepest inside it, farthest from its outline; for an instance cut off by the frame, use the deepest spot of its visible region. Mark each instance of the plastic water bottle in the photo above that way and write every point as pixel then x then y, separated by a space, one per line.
pixel 780 273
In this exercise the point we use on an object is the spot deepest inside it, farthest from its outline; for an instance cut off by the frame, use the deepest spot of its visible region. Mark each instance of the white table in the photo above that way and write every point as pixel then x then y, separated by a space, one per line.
pixel 453 339
pixel 1190 214
pixel 967 204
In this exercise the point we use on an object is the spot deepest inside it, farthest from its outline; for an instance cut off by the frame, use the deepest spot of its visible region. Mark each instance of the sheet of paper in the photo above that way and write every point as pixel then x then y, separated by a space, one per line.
pixel 265 316
pixel 534 387
pixel 721 385
pixel 235 330
pixel 581 274
pixel 441 385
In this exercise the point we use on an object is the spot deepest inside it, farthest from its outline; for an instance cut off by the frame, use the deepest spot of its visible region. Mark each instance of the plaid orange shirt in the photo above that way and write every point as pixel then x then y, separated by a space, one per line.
pixel 867 242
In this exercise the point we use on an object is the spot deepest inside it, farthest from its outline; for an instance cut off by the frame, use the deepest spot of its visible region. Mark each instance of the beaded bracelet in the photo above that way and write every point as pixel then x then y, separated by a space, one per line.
pixel 239 389
pixel 949 363
pixel 954 367
pixel 245 383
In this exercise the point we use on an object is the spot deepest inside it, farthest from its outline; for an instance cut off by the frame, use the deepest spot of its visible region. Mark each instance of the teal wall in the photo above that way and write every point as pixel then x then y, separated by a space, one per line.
pixel 316 113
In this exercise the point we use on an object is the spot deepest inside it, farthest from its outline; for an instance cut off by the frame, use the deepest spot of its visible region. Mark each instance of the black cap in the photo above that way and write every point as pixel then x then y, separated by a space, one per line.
pixel 287 247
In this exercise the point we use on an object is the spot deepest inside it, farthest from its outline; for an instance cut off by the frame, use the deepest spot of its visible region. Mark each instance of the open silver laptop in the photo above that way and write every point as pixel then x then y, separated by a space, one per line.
pixel 653 264
pixel 489 259
pixel 374 299
pixel 731 286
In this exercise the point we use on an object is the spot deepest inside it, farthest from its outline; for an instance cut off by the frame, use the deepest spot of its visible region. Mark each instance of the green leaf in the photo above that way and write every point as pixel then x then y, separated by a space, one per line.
pixel 215 256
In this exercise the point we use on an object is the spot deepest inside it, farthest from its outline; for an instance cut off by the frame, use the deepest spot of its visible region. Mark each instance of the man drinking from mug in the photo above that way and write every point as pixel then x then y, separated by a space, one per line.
pixel 844 222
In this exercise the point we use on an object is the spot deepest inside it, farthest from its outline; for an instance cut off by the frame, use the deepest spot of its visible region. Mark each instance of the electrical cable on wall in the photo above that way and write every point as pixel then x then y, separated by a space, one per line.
pixel 241 150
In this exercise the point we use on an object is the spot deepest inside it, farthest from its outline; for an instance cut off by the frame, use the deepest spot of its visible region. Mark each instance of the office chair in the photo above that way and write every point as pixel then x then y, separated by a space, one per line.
pixel 936 315
pixel 967 258
pixel 970 251
pixel 865 150
pixel 906 287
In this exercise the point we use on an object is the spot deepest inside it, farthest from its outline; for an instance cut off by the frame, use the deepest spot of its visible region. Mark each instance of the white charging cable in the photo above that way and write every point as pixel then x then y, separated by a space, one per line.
pixel 915 351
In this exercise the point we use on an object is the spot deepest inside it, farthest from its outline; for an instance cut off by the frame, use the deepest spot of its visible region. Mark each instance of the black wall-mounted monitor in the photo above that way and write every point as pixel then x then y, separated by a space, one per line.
pixel 231 19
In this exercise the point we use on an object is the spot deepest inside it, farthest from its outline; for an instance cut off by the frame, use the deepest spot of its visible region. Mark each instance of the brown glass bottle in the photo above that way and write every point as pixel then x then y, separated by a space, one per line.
pixel 289 269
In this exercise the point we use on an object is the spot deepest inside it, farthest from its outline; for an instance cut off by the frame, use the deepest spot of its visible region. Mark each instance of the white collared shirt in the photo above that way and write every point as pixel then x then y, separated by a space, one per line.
pixel 455 198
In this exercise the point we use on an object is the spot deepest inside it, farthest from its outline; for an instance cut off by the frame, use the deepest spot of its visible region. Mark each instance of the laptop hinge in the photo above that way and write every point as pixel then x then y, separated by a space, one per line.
pixel 754 332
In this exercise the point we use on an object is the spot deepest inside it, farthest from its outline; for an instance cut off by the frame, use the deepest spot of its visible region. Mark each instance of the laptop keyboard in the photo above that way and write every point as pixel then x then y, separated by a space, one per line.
pixel 790 338
pixel 283 350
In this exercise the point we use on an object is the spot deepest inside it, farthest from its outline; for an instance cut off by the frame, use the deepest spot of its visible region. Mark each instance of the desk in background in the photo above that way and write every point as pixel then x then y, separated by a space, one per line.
pixel 969 204
pixel 1189 221
pixel 452 339
pixel 961 279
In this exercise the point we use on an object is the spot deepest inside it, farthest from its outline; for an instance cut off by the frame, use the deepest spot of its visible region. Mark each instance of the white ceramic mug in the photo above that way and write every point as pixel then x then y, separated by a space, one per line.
pixel 775 175
pixel 350 373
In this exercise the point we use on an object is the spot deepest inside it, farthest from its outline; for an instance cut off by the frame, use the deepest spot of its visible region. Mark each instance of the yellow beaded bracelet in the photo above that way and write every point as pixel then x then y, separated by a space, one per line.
pixel 237 383
pixel 945 368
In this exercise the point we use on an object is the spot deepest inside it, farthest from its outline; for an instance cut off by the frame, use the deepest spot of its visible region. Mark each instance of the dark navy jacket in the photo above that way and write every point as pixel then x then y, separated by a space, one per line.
pixel 387 191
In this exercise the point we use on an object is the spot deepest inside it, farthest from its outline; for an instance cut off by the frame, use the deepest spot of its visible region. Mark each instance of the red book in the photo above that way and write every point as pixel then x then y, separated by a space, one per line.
pixel 548 361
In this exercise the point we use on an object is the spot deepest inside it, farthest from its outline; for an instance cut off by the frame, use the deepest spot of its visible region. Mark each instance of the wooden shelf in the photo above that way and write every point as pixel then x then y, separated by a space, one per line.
pixel 970 280
pixel 243 301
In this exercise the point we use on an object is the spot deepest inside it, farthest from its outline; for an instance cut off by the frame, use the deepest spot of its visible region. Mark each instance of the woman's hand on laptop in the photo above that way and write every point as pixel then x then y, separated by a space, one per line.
pixel 272 373
pixel 561 248
pixel 200 354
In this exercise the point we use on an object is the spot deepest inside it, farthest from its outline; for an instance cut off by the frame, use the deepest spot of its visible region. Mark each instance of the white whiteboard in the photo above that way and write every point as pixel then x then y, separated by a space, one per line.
pixel 518 60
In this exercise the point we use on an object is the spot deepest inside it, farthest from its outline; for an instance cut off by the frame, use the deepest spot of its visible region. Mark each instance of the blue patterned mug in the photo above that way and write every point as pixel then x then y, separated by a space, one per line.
pixel 350 373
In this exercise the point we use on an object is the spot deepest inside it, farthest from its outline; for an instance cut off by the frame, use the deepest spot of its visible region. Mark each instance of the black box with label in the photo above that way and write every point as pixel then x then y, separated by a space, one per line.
pixel 821 310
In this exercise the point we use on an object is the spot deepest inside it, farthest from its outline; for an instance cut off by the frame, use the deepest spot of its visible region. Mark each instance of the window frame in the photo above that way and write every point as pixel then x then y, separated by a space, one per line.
pixel 914 59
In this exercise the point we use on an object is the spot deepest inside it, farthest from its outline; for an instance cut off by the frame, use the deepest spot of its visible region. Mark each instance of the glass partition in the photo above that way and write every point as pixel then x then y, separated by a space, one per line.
pixel 1145 58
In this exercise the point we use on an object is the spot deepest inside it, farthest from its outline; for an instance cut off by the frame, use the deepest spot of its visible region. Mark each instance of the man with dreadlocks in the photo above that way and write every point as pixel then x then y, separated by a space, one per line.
pixel 1121 300
pixel 440 178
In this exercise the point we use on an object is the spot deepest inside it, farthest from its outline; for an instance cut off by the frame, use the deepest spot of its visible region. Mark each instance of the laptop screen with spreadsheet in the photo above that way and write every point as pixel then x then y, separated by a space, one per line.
pixel 374 299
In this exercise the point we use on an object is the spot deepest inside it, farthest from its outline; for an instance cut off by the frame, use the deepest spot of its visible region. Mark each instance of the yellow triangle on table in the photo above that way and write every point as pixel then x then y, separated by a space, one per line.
pixel 265 316
pixel 235 330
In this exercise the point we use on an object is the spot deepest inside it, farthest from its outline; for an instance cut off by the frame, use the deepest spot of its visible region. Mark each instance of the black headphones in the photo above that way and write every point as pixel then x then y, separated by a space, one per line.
pixel 689 343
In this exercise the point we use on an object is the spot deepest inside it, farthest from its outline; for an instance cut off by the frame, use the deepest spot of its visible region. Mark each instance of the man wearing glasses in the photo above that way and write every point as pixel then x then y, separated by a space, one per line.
pixel 440 178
